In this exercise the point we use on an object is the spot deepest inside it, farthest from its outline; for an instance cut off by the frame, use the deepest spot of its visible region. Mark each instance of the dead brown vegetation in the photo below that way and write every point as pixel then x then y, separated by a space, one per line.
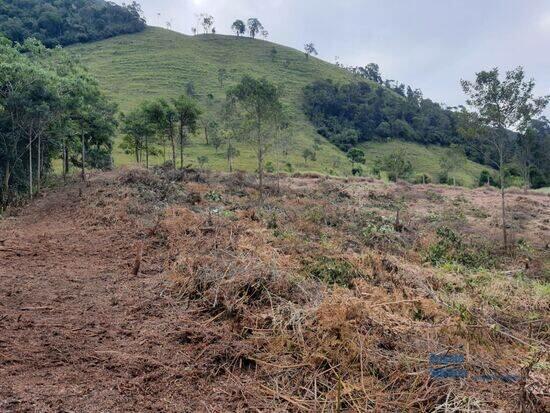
pixel 317 301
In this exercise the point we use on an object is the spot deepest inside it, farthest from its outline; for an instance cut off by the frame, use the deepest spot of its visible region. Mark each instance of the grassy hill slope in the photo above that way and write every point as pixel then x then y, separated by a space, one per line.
pixel 424 159
pixel 160 63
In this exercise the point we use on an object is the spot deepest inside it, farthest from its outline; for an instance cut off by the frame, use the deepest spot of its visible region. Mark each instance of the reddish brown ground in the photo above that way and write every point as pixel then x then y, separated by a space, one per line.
pixel 79 332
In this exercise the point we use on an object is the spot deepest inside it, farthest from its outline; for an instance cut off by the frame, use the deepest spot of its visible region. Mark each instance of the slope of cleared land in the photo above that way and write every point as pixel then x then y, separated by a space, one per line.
pixel 318 300
pixel 160 63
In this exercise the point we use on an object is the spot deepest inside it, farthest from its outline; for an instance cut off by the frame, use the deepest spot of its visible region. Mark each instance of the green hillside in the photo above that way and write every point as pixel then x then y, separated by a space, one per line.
pixel 160 63
pixel 424 159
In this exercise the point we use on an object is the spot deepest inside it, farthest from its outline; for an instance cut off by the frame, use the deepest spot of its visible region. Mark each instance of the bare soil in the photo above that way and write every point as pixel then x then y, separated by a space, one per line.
pixel 80 332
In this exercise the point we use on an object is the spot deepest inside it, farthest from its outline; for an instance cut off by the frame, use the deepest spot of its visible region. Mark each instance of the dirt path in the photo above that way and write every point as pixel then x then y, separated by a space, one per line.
pixel 79 332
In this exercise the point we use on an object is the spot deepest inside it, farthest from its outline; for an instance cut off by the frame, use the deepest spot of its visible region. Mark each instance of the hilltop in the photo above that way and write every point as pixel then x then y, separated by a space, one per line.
pixel 174 291
pixel 160 63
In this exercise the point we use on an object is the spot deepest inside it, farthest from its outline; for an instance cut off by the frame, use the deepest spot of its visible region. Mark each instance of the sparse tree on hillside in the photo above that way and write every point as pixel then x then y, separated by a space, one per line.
pixel 356 155
pixel 232 129
pixel 222 75
pixel 254 27
pixel 194 31
pixel 265 34
pixel 452 160
pixel 137 132
pixel 273 54
pixel 190 90
pixel 259 101
pixel 308 154
pixel 231 153
pixel 208 120
pixel 162 116
pixel 396 165
pixel 502 105
pixel 310 49
pixel 187 114
pixel 206 21
pixel 238 27
pixel 202 160
pixel 216 141
pixel 281 135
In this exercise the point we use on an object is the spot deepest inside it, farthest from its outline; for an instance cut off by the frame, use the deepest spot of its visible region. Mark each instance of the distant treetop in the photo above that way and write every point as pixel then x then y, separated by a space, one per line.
pixel 64 22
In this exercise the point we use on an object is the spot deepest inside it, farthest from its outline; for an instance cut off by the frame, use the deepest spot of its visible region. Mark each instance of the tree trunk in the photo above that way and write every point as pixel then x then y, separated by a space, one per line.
pixel 206 134
pixel 173 142
pixel 39 164
pixel 83 171
pixel 147 152
pixel 526 177
pixel 260 160
pixel 181 151
pixel 229 154
pixel 65 160
pixel 6 185
pixel 503 202
pixel 30 165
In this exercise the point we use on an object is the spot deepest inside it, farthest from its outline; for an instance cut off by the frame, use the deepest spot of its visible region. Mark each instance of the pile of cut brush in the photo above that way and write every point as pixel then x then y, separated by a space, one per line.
pixel 335 295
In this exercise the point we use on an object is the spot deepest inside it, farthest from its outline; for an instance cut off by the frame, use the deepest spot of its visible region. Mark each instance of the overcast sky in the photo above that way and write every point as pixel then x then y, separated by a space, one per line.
pixel 429 44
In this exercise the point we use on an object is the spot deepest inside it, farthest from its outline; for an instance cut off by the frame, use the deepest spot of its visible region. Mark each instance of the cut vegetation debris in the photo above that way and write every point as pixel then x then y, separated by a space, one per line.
pixel 333 295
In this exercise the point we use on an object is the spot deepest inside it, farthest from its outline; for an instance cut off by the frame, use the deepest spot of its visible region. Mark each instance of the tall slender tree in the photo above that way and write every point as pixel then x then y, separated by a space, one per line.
pixel 188 114
pixel 259 102
pixel 502 105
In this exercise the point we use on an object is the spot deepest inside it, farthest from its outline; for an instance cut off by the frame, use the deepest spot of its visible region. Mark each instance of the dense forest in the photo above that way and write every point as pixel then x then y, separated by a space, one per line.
pixel 348 114
pixel 352 113
pixel 50 108
pixel 64 22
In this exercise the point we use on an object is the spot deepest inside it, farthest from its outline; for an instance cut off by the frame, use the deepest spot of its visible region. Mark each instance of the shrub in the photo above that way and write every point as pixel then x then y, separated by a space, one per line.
pixel 395 164
pixel 333 271
pixel 422 179
pixel 451 249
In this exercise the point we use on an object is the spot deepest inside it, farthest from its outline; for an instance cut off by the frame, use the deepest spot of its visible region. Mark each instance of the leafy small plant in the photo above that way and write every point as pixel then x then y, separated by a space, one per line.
pixel 333 271
pixel 213 196
pixel 450 248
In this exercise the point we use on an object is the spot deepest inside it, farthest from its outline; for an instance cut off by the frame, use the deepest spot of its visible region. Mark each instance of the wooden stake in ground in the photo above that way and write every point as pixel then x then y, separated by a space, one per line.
pixel 137 262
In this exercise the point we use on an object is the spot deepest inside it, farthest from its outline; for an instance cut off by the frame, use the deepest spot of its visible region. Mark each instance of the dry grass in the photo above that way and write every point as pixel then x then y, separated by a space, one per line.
pixel 320 300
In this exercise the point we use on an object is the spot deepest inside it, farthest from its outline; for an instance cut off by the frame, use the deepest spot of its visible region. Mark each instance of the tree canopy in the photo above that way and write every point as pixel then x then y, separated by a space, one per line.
pixel 64 22
pixel 48 106
pixel 357 112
